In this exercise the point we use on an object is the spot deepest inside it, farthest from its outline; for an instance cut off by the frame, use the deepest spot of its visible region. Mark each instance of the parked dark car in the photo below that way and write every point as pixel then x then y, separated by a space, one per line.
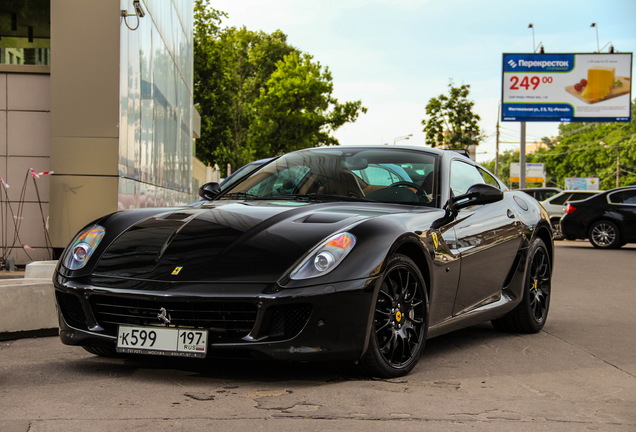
pixel 608 219
pixel 541 193
pixel 555 206
pixel 339 253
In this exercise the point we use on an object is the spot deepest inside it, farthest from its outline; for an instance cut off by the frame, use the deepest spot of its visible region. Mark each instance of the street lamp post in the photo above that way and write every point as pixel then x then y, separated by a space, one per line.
pixel 405 137
pixel 598 46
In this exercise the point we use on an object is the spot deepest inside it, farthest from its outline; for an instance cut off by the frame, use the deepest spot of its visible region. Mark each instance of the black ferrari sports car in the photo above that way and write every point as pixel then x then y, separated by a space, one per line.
pixel 336 253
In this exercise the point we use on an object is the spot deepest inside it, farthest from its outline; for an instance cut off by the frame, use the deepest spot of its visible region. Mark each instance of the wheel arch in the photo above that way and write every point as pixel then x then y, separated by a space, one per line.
pixel 415 252
pixel 545 234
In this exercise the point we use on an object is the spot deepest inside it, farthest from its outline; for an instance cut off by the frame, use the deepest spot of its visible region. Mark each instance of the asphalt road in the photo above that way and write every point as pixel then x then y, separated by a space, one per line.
pixel 579 374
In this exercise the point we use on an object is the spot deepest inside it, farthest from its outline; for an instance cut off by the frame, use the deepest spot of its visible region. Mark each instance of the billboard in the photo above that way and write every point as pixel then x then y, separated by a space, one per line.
pixel 567 87
pixel 582 183
pixel 535 172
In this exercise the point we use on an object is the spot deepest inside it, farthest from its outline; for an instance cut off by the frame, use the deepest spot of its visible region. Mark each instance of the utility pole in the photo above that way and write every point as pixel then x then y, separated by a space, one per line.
pixel 497 151
pixel 522 157
pixel 497 141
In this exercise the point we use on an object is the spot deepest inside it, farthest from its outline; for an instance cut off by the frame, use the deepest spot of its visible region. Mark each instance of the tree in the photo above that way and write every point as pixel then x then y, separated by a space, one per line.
pixel 451 122
pixel 247 59
pixel 255 100
pixel 591 150
pixel 585 150
pixel 296 108
pixel 211 95
pixel 505 159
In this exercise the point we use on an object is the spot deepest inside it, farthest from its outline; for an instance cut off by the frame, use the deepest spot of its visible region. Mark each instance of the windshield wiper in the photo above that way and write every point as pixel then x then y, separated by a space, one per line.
pixel 325 197
pixel 238 195
pixel 309 197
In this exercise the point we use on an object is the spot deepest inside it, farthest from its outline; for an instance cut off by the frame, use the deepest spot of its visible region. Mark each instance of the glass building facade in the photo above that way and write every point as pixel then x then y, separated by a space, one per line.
pixel 156 75
pixel 100 101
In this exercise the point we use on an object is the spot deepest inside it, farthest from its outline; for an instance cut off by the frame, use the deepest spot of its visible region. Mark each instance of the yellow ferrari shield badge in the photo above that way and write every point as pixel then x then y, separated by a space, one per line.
pixel 435 240
pixel 176 271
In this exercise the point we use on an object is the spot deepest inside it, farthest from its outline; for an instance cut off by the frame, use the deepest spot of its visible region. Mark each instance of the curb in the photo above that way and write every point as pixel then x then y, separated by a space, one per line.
pixel 27 305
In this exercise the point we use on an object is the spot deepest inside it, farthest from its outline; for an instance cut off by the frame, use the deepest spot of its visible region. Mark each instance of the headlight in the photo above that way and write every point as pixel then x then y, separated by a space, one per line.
pixel 324 258
pixel 82 247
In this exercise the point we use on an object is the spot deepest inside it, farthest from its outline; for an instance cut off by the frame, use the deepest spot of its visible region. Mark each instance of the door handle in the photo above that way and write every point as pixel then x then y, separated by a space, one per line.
pixel 511 214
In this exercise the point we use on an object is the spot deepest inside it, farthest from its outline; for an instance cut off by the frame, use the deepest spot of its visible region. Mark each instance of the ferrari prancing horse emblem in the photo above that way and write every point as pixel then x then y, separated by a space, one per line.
pixel 176 271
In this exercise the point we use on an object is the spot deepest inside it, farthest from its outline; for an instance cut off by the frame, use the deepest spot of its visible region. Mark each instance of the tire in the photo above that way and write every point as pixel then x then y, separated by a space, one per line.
pixel 605 235
pixel 531 313
pixel 400 321
pixel 102 351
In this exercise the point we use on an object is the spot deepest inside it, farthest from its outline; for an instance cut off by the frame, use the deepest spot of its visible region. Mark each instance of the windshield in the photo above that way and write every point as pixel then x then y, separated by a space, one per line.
pixel 381 175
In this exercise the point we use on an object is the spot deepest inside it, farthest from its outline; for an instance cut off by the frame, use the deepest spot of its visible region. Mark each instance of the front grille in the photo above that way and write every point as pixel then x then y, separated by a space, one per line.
pixel 71 309
pixel 224 320
pixel 288 320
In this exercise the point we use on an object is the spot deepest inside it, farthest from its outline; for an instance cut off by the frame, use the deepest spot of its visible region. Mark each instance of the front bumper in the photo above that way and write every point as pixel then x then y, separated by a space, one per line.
pixel 322 322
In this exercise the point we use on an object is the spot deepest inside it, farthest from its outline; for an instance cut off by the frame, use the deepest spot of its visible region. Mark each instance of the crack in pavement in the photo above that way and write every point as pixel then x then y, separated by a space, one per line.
pixel 607 362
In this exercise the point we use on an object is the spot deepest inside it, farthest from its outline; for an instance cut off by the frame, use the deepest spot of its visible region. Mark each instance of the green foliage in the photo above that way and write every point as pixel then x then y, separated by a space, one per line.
pixel 296 108
pixel 451 122
pixel 257 95
pixel 585 150
pixel 505 159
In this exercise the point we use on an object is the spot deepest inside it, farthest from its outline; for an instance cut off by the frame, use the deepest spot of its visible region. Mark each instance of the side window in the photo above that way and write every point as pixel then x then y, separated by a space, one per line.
pixel 284 182
pixel 561 199
pixel 463 176
pixel 541 195
pixel 624 197
pixel 630 198
pixel 488 178
pixel 578 196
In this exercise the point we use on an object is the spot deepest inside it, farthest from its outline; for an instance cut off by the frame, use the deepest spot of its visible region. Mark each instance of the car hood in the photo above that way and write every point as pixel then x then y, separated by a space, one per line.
pixel 227 241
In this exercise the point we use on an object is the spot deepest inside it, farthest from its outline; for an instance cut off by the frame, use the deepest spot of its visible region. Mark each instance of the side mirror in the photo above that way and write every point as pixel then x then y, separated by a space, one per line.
pixel 209 191
pixel 476 195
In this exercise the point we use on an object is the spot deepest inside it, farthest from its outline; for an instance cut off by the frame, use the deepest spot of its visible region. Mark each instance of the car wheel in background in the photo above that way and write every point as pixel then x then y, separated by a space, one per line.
pixel 530 315
pixel 400 321
pixel 605 235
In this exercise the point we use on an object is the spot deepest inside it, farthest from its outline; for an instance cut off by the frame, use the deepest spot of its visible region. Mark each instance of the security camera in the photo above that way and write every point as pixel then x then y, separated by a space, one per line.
pixel 138 10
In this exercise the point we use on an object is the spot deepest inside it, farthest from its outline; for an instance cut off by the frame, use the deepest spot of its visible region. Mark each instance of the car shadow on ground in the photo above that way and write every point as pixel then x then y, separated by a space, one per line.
pixel 265 370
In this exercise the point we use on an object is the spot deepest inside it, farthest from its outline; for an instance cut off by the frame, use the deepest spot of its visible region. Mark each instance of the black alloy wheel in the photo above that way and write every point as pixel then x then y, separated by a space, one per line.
pixel 605 235
pixel 531 313
pixel 539 285
pixel 398 331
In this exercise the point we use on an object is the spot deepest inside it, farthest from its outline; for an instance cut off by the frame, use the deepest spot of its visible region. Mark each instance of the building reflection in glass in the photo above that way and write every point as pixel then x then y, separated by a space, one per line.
pixel 155 155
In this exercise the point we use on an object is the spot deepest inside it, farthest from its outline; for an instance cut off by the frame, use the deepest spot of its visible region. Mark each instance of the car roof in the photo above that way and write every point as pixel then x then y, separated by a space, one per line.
pixel 578 191
pixel 443 153
pixel 618 189
pixel 547 188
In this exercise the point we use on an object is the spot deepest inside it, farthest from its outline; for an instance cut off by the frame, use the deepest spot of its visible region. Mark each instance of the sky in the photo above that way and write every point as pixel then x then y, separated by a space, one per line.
pixel 395 55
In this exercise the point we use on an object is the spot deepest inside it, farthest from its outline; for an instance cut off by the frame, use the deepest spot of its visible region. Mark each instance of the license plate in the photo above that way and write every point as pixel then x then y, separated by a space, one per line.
pixel 162 341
